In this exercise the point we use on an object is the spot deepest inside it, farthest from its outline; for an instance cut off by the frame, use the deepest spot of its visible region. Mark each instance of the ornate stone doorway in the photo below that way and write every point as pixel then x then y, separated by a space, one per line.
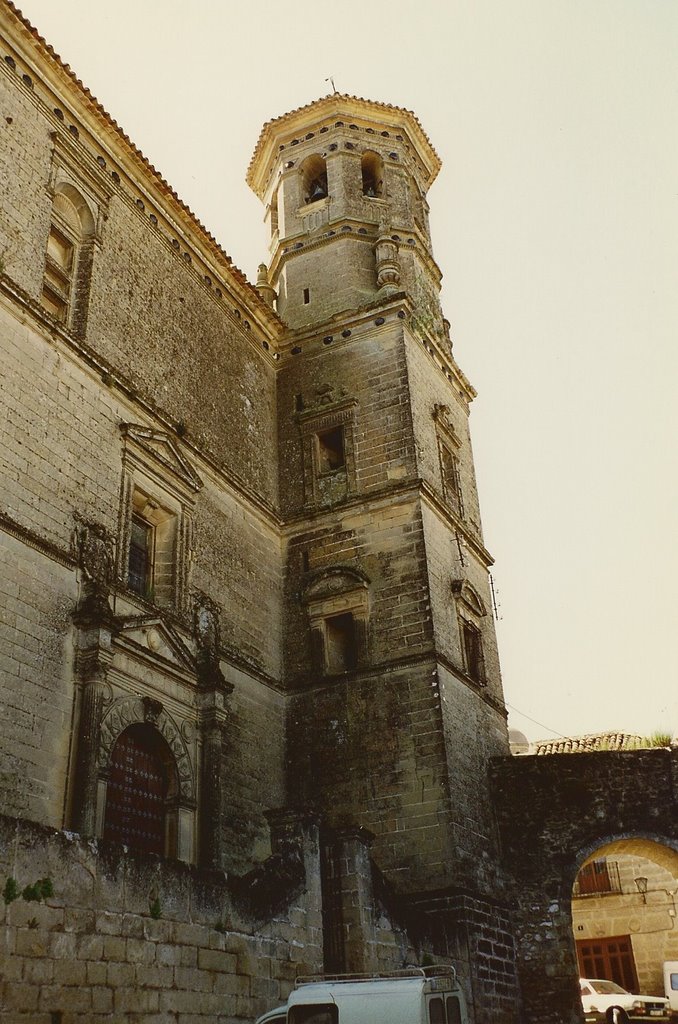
pixel 142 780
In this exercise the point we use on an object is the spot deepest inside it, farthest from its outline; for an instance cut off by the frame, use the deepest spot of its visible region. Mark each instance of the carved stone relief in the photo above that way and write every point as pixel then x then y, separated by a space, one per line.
pixel 133 710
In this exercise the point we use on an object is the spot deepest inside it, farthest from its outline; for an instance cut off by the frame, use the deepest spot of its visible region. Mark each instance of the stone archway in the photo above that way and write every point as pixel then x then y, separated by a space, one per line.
pixel 624 912
pixel 157 742
pixel 554 814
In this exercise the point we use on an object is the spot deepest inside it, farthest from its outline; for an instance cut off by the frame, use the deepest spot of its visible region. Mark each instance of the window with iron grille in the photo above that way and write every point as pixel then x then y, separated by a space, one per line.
pixel 598 878
pixel 140 562
pixel 473 652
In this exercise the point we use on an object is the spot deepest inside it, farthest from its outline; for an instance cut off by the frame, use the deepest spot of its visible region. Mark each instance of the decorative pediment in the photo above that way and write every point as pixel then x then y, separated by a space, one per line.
pixel 468 595
pixel 330 582
pixel 156 447
pixel 327 406
pixel 152 638
pixel 441 415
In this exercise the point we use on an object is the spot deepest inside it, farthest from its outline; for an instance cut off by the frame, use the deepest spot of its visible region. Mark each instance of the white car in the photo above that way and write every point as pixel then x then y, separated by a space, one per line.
pixel 605 1001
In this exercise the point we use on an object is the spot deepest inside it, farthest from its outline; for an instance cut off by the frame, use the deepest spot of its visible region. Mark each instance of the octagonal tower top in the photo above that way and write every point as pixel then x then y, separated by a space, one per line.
pixel 383 120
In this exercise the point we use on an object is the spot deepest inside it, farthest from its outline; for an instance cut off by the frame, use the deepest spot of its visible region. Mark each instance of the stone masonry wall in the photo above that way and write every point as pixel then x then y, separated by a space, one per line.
pixel 369 368
pixel 24 158
pixel 128 937
pixel 367 750
pixel 63 456
pixel 151 316
pixel 36 692
pixel 428 387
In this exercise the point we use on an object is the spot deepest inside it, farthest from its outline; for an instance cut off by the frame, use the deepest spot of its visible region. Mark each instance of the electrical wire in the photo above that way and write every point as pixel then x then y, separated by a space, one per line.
pixel 535 722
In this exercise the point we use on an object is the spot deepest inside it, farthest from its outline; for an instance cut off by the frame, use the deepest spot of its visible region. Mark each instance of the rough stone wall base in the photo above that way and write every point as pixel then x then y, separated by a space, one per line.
pixel 126 937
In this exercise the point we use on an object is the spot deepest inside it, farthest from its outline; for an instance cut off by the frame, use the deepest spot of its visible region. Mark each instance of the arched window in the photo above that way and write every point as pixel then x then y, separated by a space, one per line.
pixel 141 791
pixel 314 172
pixel 337 601
pixel 274 214
pixel 68 259
pixel 373 175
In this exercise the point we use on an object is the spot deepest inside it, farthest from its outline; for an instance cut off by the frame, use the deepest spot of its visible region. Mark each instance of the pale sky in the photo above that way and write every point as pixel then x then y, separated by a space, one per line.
pixel 555 224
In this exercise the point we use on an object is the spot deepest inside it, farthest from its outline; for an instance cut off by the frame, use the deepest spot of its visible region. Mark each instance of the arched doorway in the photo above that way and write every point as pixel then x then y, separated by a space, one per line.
pixel 624 913
pixel 140 794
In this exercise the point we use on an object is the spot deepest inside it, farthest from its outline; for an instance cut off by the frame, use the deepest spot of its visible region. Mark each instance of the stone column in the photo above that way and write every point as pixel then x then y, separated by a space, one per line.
pixel 348 901
pixel 95 622
pixel 302 830
pixel 213 718
pixel 387 262
pixel 213 693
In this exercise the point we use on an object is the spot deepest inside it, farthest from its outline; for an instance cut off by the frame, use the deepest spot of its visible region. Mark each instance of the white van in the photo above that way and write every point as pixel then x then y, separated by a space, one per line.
pixel 671 985
pixel 417 995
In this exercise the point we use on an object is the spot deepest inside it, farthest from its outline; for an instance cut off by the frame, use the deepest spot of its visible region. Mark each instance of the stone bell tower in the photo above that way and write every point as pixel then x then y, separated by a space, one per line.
pixel 390 661
pixel 345 198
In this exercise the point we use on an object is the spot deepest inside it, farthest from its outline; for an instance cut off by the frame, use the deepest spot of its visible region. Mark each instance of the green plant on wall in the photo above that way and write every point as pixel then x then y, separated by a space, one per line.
pixel 660 739
pixel 11 891
pixel 35 893
pixel 40 890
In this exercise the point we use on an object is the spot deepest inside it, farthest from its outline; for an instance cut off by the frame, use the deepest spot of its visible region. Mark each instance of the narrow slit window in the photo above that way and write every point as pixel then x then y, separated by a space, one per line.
pixel 331 453
pixel 307 296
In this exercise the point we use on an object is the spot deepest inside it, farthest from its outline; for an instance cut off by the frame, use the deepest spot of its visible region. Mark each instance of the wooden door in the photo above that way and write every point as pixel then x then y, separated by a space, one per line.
pixel 610 958
pixel 136 792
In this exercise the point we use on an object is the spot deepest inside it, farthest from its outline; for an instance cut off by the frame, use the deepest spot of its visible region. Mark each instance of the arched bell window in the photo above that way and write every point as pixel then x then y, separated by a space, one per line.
pixel 314 174
pixel 373 175
pixel 141 792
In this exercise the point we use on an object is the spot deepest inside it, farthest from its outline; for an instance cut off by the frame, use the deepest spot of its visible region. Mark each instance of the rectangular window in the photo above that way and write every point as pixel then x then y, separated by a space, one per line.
pixel 450 478
pixel 318 1013
pixel 307 296
pixel 600 876
pixel 331 454
pixel 340 639
pixel 56 291
pixel 436 1011
pixel 453 1010
pixel 140 562
pixel 473 652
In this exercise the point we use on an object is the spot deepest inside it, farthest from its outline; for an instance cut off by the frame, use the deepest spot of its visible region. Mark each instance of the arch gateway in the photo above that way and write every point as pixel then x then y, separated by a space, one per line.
pixel 560 812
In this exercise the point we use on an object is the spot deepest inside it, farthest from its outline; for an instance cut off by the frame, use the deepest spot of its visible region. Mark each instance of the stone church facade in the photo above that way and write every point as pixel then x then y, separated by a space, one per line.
pixel 250 682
